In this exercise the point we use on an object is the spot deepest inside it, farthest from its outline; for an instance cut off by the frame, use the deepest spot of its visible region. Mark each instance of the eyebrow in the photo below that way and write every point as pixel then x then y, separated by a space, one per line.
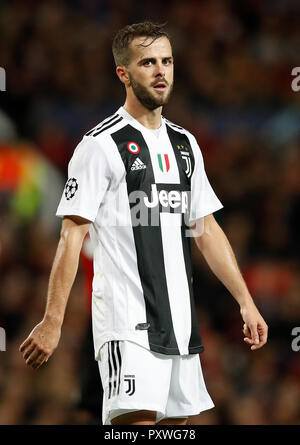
pixel 153 59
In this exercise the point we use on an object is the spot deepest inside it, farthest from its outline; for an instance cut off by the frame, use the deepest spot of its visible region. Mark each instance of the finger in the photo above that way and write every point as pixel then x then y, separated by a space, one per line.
pixel 248 340
pixel 246 331
pixel 263 333
pixel 260 345
pixel 34 356
pixel 247 334
pixel 28 351
pixel 254 334
pixel 253 347
pixel 25 344
pixel 39 362
pixel 262 342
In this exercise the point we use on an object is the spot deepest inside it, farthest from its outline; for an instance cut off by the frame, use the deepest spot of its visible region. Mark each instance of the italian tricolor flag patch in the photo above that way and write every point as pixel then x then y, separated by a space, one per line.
pixel 163 162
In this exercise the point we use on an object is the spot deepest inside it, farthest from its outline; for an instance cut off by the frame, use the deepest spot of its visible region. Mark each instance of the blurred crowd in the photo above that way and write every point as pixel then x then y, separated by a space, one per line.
pixel 233 63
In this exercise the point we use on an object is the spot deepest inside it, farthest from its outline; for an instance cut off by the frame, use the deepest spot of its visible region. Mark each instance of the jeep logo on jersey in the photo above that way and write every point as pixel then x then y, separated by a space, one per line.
pixel 133 147
pixel 130 379
pixel 163 162
pixel 173 199
pixel 71 188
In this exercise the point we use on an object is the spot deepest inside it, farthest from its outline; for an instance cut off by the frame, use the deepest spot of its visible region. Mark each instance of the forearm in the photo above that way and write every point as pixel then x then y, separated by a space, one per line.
pixel 219 255
pixel 62 275
pixel 43 339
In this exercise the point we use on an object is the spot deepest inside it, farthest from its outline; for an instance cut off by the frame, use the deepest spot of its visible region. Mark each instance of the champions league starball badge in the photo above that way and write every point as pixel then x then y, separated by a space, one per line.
pixel 71 188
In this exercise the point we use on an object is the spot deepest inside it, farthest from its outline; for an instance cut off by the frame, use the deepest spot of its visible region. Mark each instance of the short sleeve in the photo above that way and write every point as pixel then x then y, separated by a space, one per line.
pixel 203 198
pixel 88 180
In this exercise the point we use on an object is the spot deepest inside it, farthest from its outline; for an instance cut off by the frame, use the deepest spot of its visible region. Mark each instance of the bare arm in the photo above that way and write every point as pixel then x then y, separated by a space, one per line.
pixel 219 255
pixel 44 338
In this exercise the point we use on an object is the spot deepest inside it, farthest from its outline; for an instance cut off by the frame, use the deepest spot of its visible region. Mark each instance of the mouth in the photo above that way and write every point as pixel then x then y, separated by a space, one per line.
pixel 161 86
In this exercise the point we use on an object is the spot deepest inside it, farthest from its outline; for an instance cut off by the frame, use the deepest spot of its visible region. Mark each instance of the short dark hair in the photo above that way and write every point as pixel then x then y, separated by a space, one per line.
pixel 123 38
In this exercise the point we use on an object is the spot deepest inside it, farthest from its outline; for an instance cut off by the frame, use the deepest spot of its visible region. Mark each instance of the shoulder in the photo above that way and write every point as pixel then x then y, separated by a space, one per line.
pixel 105 127
pixel 174 126
pixel 179 129
pixel 97 141
pixel 187 133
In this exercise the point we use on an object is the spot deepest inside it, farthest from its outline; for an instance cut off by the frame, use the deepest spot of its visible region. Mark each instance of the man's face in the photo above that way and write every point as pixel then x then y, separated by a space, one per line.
pixel 151 71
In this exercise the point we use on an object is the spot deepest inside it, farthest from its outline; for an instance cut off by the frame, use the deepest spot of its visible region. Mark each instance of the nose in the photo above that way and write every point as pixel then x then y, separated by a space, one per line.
pixel 160 70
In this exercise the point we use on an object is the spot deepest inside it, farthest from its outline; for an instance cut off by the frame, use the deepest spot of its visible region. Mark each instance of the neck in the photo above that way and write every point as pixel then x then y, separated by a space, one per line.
pixel 148 118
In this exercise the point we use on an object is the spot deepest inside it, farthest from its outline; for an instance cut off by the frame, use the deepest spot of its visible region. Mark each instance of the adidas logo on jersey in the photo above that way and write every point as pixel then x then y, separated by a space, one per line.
pixel 138 165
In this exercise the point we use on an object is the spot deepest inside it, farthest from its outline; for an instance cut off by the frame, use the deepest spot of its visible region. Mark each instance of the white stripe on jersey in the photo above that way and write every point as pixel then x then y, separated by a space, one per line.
pixel 178 288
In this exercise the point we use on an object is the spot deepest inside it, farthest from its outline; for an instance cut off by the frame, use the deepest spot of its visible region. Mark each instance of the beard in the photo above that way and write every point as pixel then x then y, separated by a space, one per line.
pixel 146 98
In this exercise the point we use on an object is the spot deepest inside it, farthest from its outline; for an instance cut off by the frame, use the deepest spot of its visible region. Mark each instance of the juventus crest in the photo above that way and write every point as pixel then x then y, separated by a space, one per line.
pixel 186 157
pixel 130 379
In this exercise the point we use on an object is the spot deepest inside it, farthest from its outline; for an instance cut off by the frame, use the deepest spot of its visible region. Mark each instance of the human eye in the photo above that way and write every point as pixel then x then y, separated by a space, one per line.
pixel 147 62
pixel 167 61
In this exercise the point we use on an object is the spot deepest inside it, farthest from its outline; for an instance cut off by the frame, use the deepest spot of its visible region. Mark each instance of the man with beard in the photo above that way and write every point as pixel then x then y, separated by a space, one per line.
pixel 137 182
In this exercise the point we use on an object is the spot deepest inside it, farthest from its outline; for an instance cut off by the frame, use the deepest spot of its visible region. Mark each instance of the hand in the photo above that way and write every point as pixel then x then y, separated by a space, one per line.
pixel 40 344
pixel 255 328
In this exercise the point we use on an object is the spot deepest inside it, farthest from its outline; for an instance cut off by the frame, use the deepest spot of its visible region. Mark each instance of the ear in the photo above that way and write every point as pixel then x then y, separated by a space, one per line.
pixel 122 74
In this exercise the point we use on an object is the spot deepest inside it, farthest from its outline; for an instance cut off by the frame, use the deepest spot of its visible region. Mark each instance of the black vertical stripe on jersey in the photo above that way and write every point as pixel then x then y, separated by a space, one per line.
pixel 149 247
pixel 109 370
pixel 195 343
pixel 115 368
pixel 120 365
pixel 178 138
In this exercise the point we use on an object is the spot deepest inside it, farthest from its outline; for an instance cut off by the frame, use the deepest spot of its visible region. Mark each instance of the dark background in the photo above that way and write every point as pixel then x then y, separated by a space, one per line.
pixel 233 63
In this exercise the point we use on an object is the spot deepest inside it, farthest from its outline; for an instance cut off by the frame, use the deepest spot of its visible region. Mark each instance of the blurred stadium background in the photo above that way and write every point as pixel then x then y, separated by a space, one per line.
pixel 233 63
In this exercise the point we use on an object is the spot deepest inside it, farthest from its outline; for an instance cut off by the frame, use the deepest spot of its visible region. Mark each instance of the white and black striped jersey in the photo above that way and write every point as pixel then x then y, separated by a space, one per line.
pixel 141 189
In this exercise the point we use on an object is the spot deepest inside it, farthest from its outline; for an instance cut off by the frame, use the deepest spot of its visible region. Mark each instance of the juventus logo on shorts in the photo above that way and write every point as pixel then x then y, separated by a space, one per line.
pixel 130 379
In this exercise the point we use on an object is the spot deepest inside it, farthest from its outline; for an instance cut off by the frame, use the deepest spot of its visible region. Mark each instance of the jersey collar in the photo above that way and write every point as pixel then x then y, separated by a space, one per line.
pixel 135 123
